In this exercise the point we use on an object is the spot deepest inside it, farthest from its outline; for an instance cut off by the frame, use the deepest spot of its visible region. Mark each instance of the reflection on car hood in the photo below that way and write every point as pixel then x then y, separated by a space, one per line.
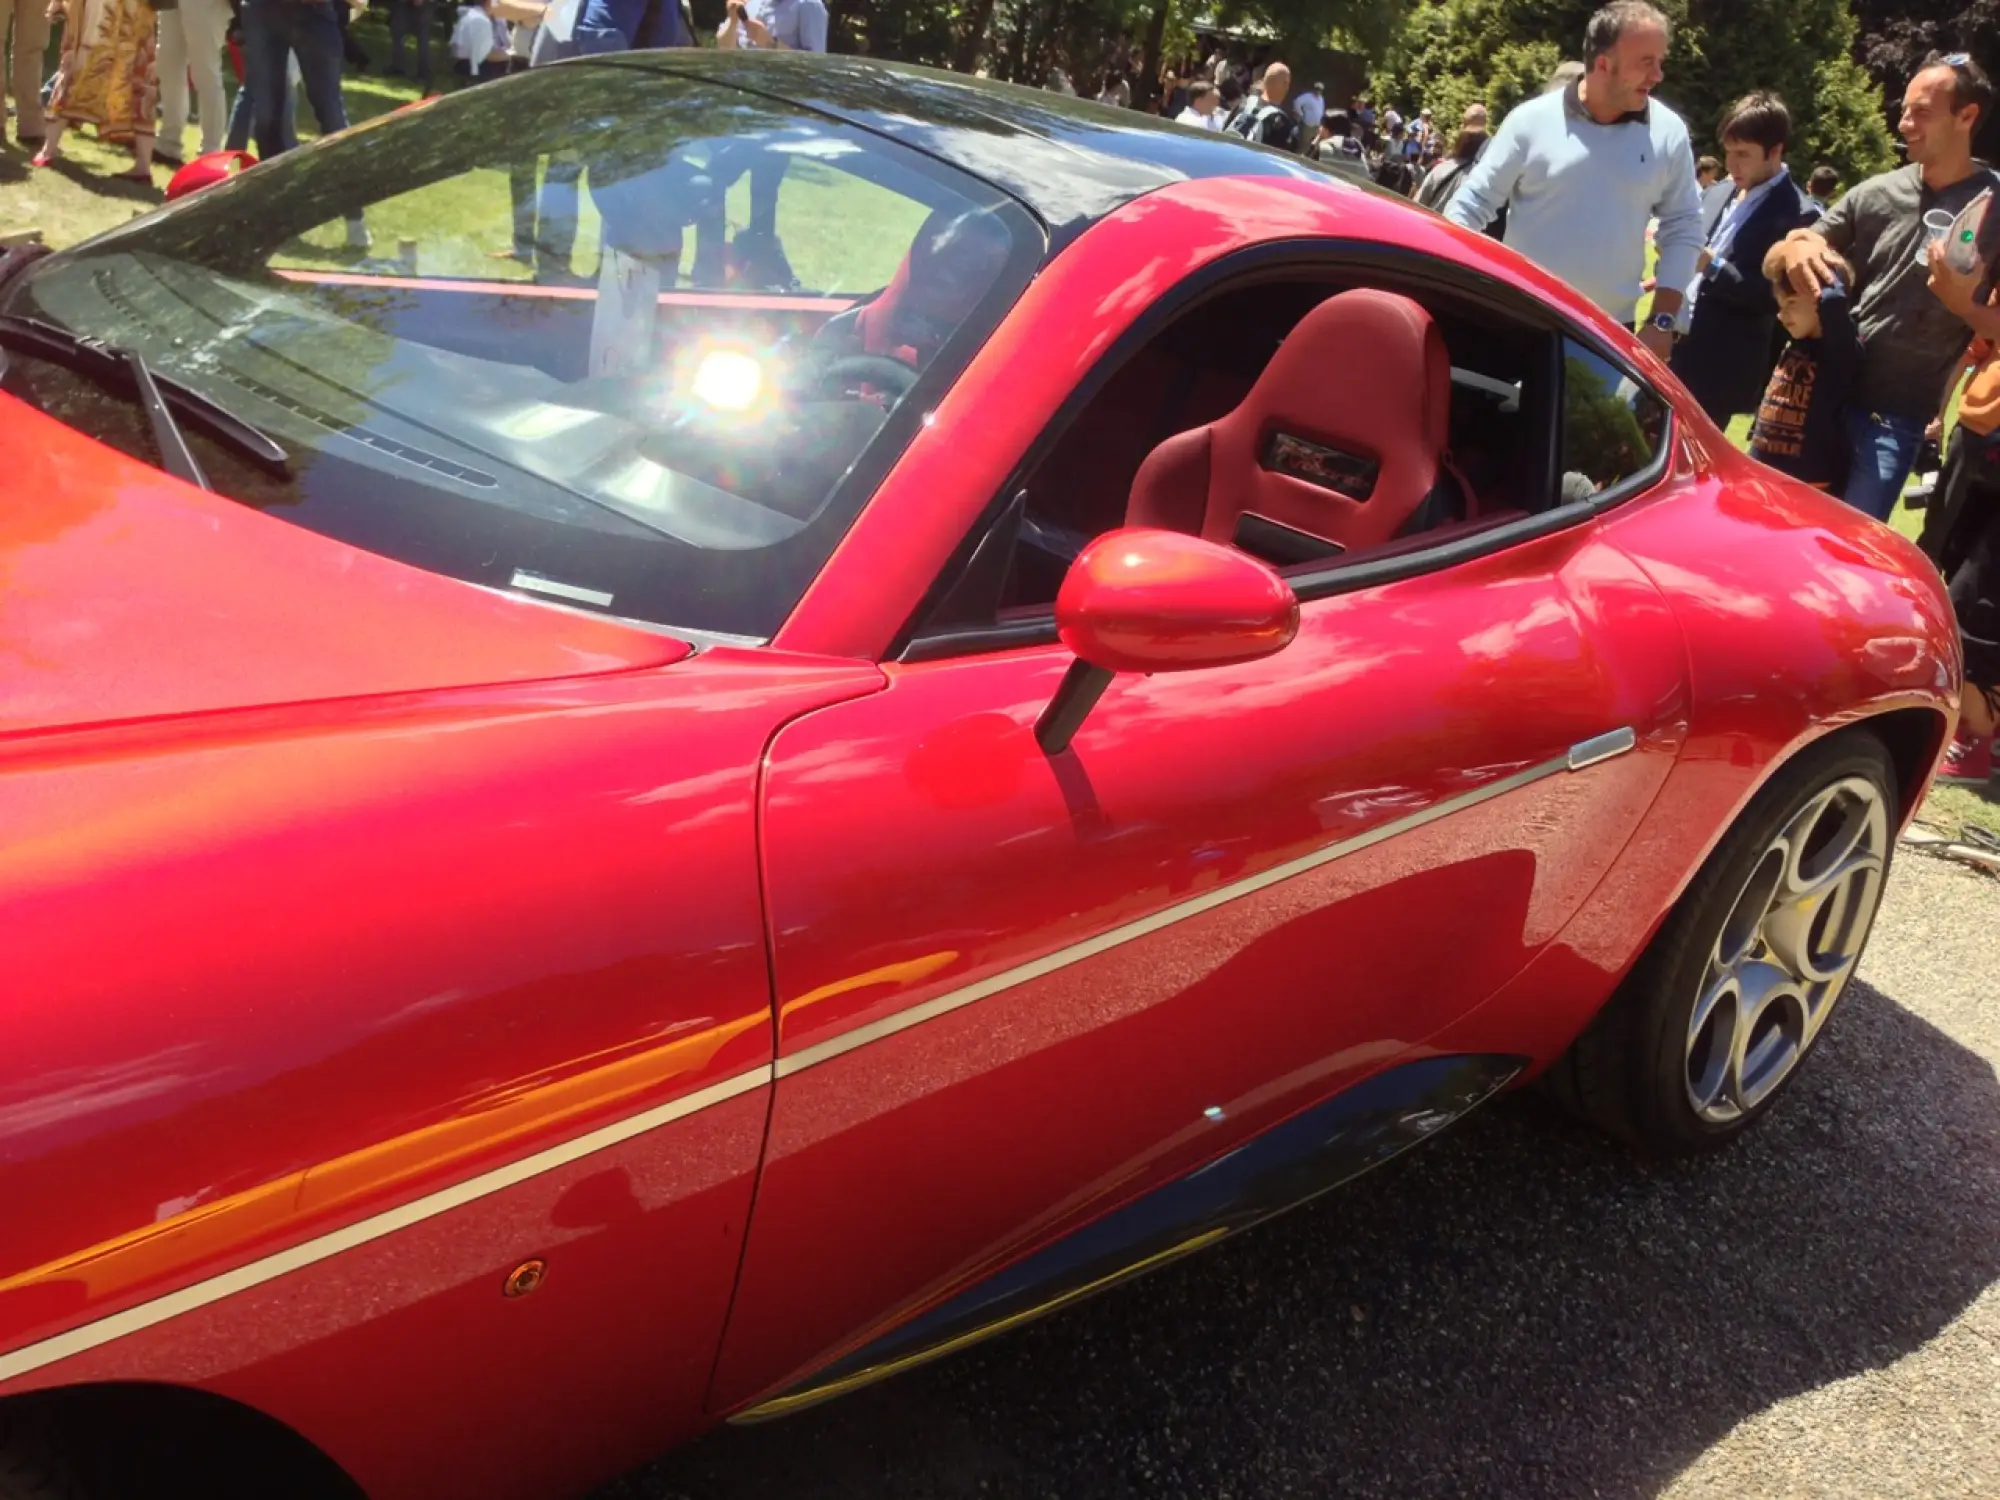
pixel 126 594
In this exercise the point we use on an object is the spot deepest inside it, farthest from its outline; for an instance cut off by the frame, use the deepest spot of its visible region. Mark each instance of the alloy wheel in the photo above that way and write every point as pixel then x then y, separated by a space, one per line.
pixel 1788 947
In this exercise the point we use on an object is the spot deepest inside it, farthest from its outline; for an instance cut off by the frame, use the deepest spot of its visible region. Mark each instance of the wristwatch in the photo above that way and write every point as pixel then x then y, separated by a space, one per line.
pixel 1666 322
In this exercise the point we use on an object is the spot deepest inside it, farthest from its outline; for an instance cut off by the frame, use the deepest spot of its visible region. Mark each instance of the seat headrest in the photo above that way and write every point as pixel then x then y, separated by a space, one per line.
pixel 954 261
pixel 1341 438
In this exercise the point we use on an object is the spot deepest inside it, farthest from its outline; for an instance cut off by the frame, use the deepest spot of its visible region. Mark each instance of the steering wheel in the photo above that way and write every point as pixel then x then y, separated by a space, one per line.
pixel 842 377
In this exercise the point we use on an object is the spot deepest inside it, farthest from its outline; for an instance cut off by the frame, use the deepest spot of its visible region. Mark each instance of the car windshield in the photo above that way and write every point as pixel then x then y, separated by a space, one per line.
pixel 610 337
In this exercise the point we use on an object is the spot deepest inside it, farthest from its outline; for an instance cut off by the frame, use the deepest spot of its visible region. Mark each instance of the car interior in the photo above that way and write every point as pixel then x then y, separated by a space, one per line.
pixel 1310 420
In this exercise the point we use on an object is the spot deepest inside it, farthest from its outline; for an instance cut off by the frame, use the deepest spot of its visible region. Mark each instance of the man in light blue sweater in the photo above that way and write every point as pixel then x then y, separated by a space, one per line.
pixel 1582 170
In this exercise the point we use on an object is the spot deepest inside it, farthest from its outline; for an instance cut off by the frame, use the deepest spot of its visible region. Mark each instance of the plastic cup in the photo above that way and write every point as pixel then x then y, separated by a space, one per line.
pixel 1937 225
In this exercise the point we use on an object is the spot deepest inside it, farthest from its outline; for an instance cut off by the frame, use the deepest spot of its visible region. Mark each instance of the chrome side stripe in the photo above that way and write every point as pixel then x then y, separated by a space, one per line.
pixel 269 1268
pixel 201 1294
pixel 1604 747
pixel 1587 753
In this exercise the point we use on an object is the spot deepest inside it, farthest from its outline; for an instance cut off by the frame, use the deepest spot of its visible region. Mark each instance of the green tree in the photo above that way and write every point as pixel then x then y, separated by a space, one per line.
pixel 1450 52
pixel 1897 35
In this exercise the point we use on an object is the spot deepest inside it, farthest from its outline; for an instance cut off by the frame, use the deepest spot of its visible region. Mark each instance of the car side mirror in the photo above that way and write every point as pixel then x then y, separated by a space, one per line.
pixel 1139 600
pixel 215 166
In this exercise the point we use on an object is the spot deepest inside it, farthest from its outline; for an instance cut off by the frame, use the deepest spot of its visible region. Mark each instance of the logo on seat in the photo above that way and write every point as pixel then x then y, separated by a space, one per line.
pixel 1344 473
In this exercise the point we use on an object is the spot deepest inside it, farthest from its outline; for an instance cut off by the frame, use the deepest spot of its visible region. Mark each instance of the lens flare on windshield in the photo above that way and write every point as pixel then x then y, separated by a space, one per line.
pixel 728 380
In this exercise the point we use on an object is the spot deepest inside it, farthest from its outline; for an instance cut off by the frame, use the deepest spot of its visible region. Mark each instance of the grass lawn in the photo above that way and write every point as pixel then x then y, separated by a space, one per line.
pixel 1950 808
pixel 78 196
pixel 457 225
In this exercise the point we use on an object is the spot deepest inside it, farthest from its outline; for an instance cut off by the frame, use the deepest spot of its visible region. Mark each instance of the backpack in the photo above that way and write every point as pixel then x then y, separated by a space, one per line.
pixel 1248 120
pixel 1436 189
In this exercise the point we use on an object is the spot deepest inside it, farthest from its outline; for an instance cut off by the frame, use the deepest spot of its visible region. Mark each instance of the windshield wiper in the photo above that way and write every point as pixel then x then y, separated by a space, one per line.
pixel 175 455
pixel 17 258
pixel 159 396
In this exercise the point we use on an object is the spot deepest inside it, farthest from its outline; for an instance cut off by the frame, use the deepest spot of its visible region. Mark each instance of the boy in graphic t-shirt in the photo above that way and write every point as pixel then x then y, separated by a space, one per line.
pixel 1799 430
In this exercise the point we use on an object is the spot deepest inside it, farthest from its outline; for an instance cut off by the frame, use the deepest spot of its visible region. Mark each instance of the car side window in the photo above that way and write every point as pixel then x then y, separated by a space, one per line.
pixel 1612 426
pixel 1286 416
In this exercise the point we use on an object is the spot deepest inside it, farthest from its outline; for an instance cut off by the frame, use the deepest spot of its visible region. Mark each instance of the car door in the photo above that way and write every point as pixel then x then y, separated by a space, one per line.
pixel 1016 990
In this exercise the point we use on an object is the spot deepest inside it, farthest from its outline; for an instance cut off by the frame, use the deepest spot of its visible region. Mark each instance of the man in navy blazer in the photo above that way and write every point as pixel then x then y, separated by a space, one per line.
pixel 620 25
pixel 1725 357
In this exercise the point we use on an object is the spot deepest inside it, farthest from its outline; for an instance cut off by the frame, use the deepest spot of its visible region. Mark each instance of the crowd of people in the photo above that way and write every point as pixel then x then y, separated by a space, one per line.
pixel 126 65
pixel 1837 323
pixel 1843 329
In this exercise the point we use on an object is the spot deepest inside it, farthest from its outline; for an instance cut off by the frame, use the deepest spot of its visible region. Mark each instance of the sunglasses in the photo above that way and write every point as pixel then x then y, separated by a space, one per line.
pixel 1957 59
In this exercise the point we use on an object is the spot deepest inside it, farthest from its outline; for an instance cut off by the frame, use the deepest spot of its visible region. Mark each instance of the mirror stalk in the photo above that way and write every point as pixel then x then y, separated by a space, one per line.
pixel 1082 685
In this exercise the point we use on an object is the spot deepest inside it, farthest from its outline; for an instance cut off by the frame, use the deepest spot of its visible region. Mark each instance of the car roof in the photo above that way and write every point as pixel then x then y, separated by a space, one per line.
pixel 1070 161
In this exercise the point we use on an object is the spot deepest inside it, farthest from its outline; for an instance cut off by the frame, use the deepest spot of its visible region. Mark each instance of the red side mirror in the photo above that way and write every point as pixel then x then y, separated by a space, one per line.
pixel 1160 601
pixel 204 171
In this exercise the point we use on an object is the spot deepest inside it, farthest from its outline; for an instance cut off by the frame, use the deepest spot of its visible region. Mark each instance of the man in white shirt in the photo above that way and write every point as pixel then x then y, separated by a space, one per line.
pixel 479 44
pixel 1582 171
pixel 1310 107
pixel 1204 107
pixel 782 25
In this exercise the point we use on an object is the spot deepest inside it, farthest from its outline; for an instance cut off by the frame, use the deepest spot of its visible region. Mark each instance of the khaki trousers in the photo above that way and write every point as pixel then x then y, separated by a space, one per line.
pixel 191 40
pixel 29 23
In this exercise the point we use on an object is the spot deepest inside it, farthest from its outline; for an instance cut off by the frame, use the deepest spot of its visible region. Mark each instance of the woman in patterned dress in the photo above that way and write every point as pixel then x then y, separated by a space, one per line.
pixel 107 78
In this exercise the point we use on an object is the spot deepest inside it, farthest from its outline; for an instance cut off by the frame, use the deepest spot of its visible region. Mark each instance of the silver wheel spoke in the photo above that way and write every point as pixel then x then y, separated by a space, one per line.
pixel 1770 1031
pixel 1712 1055
pixel 1791 940
pixel 1831 831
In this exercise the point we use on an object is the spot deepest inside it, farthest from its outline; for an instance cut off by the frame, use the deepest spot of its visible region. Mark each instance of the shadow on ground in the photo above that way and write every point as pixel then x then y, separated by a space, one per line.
pixel 1517 1309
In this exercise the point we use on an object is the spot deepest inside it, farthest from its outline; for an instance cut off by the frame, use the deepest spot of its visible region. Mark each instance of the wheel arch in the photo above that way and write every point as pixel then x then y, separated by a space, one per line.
pixel 139 1440
pixel 1914 737
pixel 1544 1008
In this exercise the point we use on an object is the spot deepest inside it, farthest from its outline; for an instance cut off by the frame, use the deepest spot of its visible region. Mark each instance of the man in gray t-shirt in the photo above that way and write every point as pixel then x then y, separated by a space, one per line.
pixel 1883 228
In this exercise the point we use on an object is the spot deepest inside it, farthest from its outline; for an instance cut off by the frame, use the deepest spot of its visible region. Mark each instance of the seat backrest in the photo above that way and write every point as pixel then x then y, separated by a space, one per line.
pixel 953 262
pixel 1342 437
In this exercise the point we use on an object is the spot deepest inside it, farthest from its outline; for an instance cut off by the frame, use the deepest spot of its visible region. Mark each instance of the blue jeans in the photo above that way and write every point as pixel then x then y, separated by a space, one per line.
pixel 271 28
pixel 545 220
pixel 410 19
pixel 243 118
pixel 1881 451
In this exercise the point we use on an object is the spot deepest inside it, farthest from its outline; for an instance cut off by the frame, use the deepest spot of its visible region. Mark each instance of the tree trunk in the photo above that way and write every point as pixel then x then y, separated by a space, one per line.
pixel 1156 36
pixel 840 18
pixel 1017 65
pixel 974 39
pixel 1042 51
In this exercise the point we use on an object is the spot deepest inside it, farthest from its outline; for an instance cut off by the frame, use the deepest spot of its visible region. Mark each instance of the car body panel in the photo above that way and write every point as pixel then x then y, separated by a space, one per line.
pixel 1849 622
pixel 127 594
pixel 1277 1169
pixel 921 848
pixel 370 934
pixel 291 970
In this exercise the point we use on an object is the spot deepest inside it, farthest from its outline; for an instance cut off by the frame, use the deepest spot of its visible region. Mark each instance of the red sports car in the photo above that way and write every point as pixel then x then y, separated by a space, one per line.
pixel 684 731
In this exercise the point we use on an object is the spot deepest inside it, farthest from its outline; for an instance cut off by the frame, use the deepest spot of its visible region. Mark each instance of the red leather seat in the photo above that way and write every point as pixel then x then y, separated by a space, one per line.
pixel 1342 437
pixel 954 261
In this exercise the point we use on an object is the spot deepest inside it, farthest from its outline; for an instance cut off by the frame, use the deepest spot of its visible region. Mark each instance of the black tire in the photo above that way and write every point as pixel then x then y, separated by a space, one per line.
pixel 32 1465
pixel 1629 1073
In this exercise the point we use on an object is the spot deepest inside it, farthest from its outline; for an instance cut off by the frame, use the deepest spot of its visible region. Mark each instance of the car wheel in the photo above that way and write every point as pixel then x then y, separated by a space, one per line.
pixel 1716 1017
pixel 31 1468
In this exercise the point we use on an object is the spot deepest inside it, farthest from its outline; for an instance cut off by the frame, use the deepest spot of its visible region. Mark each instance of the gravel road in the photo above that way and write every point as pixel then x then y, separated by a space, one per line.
pixel 1520 1310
